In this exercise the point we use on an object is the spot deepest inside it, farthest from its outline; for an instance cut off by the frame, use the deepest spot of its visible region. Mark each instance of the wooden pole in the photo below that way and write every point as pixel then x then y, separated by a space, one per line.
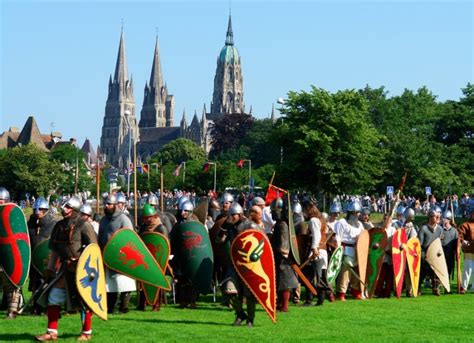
pixel 76 176
pixel 135 195
pixel 97 178
pixel 215 176
pixel 161 187
pixel 273 176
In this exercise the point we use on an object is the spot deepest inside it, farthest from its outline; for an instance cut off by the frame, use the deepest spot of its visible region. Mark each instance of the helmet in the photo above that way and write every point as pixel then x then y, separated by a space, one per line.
pixel 182 200
pixel 227 197
pixel 105 195
pixel 148 210
pixel 41 204
pixel 121 198
pixel 354 206
pixel 432 212
pixel 409 213
pixel 365 210
pixel 74 203
pixel 448 215
pixel 325 215
pixel 335 208
pixel 276 204
pixel 4 194
pixel 111 200
pixel 152 199
pixel 438 209
pixel 86 209
pixel 297 208
pixel 400 210
pixel 187 206
pixel 236 209
pixel 258 201
pixel 214 204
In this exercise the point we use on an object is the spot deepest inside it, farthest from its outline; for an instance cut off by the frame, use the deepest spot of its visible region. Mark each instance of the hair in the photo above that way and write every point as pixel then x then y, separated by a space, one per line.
pixel 313 212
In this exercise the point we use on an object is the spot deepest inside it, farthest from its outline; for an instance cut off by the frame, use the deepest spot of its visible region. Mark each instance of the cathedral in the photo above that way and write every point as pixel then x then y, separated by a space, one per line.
pixel 156 126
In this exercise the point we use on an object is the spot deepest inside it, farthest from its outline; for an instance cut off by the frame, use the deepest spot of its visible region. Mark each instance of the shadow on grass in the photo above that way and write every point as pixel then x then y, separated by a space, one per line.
pixel 174 321
pixel 11 337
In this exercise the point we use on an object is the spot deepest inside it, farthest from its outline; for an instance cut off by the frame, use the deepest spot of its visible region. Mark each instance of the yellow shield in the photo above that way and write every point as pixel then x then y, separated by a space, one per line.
pixel 90 280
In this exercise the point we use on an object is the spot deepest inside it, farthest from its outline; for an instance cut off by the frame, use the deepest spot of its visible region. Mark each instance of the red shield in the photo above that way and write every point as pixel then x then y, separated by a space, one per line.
pixel 252 257
pixel 399 256
pixel 15 250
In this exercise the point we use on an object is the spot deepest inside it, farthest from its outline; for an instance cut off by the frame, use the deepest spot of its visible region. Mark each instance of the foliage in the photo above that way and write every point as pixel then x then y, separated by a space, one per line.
pixel 27 169
pixel 330 140
pixel 261 146
pixel 177 151
pixel 70 158
pixel 229 131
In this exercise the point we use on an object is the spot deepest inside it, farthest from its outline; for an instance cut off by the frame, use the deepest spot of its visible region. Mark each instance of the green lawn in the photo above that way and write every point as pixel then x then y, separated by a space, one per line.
pixel 424 319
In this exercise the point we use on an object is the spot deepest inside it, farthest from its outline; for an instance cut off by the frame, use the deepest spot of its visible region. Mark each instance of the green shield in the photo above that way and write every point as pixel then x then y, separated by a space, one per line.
pixel 195 255
pixel 160 249
pixel 293 239
pixel 15 249
pixel 126 253
pixel 40 256
pixel 378 242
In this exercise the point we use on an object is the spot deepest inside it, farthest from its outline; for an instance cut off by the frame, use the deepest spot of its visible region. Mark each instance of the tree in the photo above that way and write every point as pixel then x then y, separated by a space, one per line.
pixel 229 131
pixel 330 140
pixel 68 156
pixel 27 169
pixel 177 151
pixel 260 144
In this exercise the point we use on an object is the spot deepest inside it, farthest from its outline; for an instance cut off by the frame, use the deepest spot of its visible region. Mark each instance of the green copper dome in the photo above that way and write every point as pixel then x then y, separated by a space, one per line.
pixel 229 54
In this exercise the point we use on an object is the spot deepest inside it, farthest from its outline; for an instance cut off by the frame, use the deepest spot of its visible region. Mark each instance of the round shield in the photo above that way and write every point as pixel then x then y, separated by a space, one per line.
pixel 40 256
pixel 335 263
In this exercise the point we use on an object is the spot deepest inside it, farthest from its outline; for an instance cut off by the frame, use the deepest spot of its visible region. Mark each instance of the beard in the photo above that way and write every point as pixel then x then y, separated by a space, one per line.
pixel 110 210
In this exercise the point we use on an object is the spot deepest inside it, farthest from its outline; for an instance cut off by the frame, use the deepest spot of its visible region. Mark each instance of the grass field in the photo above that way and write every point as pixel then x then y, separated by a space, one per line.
pixel 448 318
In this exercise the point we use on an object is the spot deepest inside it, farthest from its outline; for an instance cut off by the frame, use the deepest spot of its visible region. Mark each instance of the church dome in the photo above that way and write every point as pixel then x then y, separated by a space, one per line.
pixel 229 54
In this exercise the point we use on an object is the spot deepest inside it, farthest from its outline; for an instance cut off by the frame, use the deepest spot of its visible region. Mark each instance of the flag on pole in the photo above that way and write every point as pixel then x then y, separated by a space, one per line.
pixel 130 169
pixel 205 167
pixel 273 192
pixel 145 168
pixel 240 164
pixel 177 170
pixel 156 165
pixel 140 169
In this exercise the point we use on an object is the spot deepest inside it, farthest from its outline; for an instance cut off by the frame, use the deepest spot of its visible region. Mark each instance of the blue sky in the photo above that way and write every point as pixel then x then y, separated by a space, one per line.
pixel 56 56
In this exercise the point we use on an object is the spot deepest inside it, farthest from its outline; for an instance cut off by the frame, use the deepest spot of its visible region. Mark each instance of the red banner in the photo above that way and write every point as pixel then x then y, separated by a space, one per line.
pixel 273 192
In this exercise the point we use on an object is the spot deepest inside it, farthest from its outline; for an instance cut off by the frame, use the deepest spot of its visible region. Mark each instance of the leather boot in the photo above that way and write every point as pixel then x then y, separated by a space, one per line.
pixel 124 300
pixel 111 301
pixel 321 294
pixel 285 299
pixel 341 296
pixel 356 294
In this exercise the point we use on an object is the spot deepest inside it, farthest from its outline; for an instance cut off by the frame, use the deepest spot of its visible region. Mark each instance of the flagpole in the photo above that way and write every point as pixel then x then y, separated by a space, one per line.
pixel 161 185
pixel 135 195
pixel 184 172
pixel 97 177
pixel 250 174
pixel 273 176
pixel 76 176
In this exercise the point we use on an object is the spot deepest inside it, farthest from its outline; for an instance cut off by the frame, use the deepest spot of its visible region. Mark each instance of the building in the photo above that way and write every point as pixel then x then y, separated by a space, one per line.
pixel 156 126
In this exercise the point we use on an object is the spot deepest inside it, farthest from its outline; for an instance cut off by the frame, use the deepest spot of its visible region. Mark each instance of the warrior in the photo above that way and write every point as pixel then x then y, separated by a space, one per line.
pixel 347 231
pixel 266 216
pixel 151 223
pixel 399 221
pixel 232 286
pixel 449 240
pixel 466 236
pixel 69 237
pixel 10 291
pixel 152 200
pixel 186 294
pixel 428 233
pixel 116 283
pixel 411 230
pixel 285 276
pixel 318 230
pixel 40 226
pixel 86 213
pixel 384 285
pixel 364 218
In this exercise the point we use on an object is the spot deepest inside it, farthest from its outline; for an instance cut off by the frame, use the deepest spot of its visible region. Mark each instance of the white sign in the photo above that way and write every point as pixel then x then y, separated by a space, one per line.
pixel 389 189
pixel 428 190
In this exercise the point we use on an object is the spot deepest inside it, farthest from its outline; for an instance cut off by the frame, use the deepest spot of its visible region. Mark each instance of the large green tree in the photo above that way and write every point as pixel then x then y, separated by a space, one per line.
pixel 27 169
pixel 329 143
pixel 177 151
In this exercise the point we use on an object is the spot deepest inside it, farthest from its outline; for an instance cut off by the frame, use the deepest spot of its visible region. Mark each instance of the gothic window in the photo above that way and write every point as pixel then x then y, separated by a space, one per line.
pixel 230 76
pixel 230 100
pixel 237 100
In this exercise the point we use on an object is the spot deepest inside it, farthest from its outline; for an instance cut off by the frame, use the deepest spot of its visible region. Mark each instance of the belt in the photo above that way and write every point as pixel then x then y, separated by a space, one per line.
pixel 347 245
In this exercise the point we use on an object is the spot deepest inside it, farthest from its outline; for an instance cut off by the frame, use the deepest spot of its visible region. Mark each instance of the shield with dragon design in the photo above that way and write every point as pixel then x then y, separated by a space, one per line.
pixel 335 263
pixel 399 256
pixel 15 248
pixel 414 262
pixel 90 280
pixel 160 248
pixel 253 260
pixel 127 254
pixel 378 242
pixel 194 251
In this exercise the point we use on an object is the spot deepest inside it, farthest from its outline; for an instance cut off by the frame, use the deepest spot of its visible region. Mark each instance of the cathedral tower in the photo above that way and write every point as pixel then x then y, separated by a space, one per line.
pixel 158 105
pixel 228 96
pixel 120 123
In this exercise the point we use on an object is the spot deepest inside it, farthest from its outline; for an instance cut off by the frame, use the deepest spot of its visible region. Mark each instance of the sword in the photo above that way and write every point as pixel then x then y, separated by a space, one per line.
pixel 354 273
pixel 34 296
pixel 303 278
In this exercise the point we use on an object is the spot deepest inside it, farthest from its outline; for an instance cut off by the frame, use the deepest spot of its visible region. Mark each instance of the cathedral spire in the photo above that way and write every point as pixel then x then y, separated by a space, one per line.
pixel 273 116
pixel 156 77
pixel 229 40
pixel 121 70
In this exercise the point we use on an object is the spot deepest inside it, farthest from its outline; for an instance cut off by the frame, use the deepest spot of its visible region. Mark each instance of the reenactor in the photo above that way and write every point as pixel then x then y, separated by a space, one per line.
pixel 466 236
pixel 449 241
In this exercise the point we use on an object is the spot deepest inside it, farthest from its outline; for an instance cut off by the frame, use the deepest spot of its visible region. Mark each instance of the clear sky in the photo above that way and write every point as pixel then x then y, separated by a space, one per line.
pixel 56 56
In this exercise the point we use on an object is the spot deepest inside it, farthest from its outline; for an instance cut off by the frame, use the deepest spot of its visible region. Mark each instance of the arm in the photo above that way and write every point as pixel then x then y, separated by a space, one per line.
pixel 315 228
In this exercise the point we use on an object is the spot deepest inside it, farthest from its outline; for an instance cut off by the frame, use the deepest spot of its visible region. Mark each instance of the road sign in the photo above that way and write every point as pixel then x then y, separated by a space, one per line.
pixel 428 190
pixel 389 189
